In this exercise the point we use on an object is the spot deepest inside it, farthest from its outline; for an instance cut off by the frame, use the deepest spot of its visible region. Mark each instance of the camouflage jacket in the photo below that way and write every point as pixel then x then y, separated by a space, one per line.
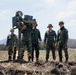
pixel 36 37
pixel 62 35
pixel 11 39
pixel 26 34
pixel 50 37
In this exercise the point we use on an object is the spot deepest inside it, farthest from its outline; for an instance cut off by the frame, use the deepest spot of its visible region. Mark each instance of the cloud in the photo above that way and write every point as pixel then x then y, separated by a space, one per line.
pixel 49 2
pixel 69 12
pixel 71 26
pixel 5 14
pixel 71 23
pixel 65 15
pixel 72 5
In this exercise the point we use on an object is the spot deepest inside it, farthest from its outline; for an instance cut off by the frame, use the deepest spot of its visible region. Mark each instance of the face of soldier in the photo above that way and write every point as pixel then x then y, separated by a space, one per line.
pixel 24 27
pixel 12 32
pixel 50 28
pixel 61 25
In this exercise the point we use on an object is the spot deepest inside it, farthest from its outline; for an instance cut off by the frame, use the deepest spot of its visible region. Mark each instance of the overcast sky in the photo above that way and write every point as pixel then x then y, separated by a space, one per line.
pixel 45 11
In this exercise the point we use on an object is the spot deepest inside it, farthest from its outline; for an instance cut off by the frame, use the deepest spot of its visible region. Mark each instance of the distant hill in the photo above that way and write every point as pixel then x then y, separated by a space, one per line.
pixel 71 43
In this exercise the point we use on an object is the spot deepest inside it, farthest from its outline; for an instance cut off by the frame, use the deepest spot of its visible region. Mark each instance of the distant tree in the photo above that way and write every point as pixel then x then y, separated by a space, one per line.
pixel 2 47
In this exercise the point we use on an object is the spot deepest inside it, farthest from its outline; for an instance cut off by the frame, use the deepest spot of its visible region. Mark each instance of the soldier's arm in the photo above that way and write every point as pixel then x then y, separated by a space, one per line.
pixel 66 36
pixel 7 42
pixel 39 36
pixel 23 29
pixel 16 40
pixel 55 36
pixel 45 38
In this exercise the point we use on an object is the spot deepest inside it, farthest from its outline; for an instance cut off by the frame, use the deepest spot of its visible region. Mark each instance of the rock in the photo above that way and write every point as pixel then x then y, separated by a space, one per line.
pixel 73 70
pixel 60 65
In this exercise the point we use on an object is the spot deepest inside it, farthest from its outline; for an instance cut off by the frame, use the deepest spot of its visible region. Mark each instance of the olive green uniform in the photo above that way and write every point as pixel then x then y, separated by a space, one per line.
pixel 49 40
pixel 62 39
pixel 12 44
pixel 36 37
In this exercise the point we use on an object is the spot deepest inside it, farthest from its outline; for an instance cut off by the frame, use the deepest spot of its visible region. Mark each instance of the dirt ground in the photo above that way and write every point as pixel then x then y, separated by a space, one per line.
pixel 40 68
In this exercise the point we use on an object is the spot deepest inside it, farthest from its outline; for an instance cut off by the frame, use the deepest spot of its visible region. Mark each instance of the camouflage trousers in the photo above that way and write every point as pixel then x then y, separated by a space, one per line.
pixel 60 48
pixel 25 45
pixel 12 54
pixel 35 46
pixel 52 48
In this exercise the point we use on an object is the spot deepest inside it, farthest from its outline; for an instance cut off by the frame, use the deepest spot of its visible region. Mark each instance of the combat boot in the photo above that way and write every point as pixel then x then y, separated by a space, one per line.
pixel 9 58
pixel 29 59
pixel 66 61
pixel 32 59
pixel 46 61
pixel 60 61
pixel 37 60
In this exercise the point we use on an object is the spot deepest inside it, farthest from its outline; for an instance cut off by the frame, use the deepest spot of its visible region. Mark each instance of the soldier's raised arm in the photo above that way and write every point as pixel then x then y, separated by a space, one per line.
pixel 23 28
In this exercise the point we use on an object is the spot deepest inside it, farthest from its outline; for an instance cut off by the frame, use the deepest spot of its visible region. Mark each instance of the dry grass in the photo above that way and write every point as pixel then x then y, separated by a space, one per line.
pixel 72 55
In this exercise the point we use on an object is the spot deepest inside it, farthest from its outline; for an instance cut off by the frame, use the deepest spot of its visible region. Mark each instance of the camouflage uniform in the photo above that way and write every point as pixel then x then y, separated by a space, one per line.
pixel 62 38
pixel 49 40
pixel 26 43
pixel 36 37
pixel 11 41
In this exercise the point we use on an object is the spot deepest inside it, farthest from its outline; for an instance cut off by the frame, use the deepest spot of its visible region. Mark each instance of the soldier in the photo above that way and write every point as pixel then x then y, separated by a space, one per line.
pixel 62 39
pixel 26 42
pixel 11 45
pixel 36 39
pixel 50 40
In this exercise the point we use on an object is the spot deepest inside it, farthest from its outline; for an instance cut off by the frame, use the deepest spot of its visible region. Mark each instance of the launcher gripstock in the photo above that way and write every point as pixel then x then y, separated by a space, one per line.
pixel 18 21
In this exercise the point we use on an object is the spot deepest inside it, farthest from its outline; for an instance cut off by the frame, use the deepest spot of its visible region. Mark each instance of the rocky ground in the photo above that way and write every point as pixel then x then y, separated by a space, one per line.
pixel 41 68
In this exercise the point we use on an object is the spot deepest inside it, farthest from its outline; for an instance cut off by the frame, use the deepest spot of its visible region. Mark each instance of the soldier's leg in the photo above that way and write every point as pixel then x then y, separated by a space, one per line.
pixel 29 48
pixel 14 55
pixel 60 53
pixel 22 49
pixel 53 53
pixel 9 54
pixel 20 57
pixel 37 51
pixel 32 52
pixel 66 53
pixel 47 52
